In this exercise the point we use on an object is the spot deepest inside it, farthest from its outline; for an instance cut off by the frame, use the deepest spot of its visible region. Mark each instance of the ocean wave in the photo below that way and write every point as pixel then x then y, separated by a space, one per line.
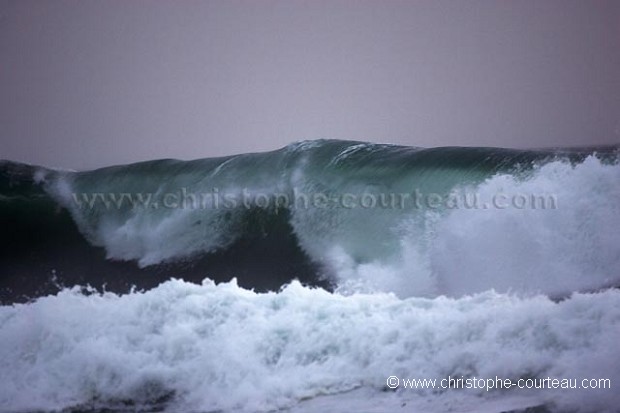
pixel 410 248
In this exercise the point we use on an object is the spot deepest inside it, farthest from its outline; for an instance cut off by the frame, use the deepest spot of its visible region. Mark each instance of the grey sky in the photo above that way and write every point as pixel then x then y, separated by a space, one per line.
pixel 91 83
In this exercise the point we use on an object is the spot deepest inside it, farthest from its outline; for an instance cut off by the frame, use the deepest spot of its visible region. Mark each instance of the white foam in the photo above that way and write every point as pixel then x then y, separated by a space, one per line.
pixel 223 347
pixel 575 246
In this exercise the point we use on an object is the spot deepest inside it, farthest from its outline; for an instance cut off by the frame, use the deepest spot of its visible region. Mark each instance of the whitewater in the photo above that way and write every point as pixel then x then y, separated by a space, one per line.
pixel 312 309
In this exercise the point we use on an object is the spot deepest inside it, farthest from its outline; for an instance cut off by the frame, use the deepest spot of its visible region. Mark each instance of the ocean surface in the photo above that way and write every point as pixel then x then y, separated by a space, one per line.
pixel 325 276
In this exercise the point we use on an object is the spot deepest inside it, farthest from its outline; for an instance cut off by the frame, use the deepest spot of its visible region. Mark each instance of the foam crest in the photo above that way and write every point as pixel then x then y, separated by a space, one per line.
pixel 573 245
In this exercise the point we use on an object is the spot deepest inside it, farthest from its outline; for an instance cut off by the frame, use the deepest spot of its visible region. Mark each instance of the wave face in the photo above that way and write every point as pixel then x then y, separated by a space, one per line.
pixel 356 216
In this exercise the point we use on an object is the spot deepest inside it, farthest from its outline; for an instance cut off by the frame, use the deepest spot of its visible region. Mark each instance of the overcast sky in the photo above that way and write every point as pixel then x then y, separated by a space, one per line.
pixel 92 83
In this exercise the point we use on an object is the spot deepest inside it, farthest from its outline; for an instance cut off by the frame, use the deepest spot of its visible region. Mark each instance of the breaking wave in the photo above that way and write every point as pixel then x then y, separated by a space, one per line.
pixel 383 239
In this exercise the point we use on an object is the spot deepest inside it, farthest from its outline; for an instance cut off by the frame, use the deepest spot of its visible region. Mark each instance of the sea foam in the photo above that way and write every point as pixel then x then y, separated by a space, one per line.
pixel 208 347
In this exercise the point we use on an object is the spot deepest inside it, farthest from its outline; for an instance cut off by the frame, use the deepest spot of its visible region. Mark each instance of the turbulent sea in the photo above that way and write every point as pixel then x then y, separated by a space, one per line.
pixel 302 279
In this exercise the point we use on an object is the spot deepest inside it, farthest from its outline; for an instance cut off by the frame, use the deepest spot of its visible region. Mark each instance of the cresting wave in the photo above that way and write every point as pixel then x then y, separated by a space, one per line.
pixel 410 251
